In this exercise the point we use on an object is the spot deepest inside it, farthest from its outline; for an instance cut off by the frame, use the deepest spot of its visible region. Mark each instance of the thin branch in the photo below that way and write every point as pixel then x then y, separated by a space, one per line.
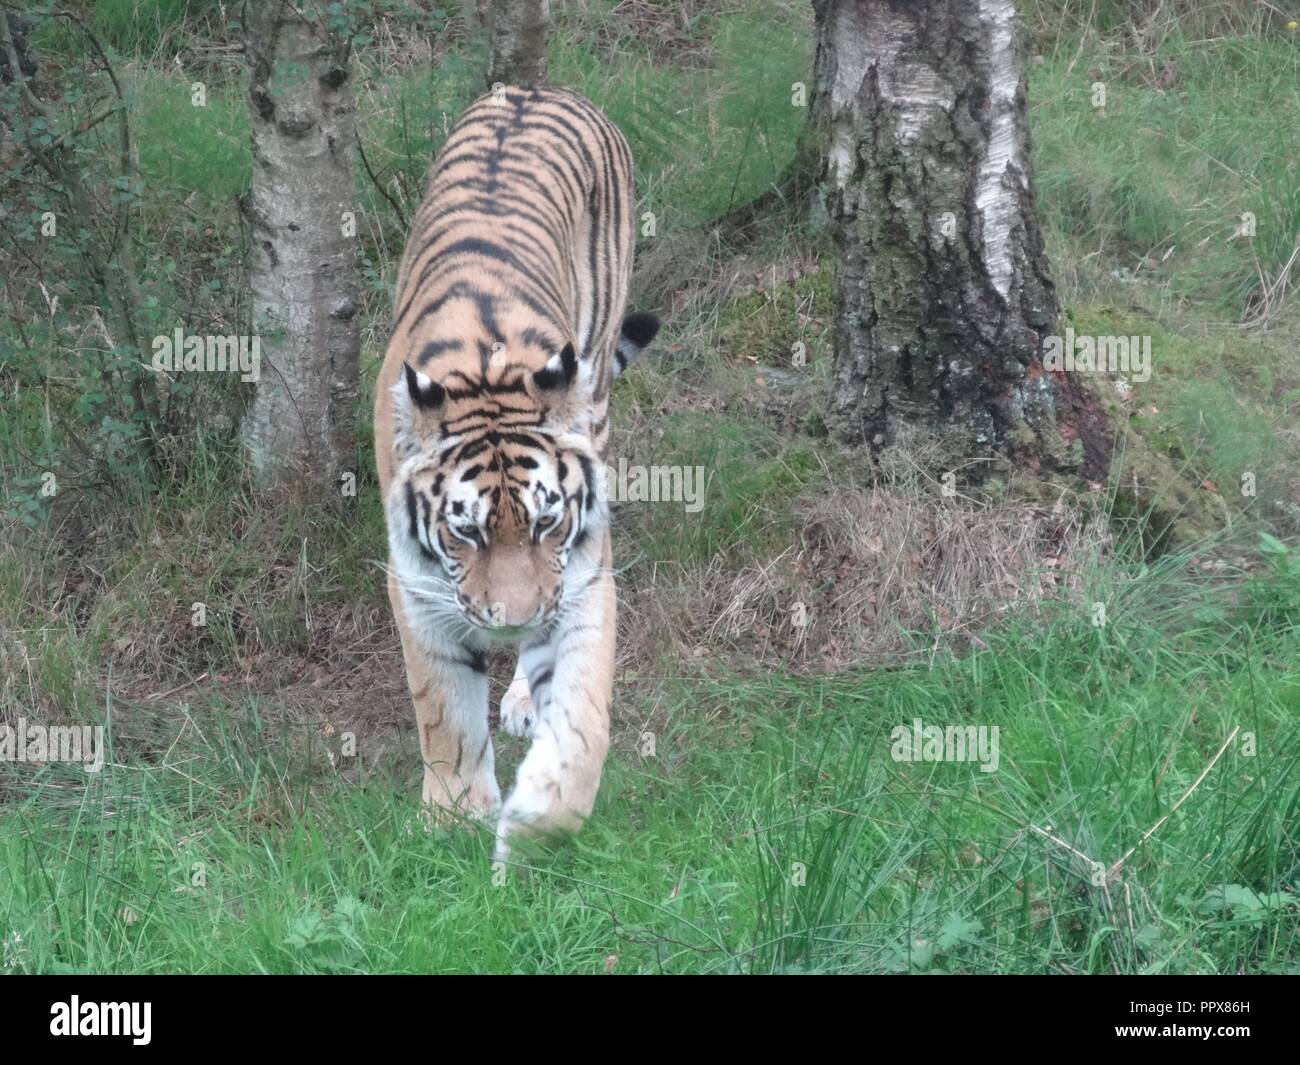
pixel 401 215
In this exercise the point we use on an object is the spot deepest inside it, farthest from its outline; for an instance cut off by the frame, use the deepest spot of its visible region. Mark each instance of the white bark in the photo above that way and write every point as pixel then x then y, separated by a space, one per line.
pixel 919 94
pixel 915 90
pixel 1006 155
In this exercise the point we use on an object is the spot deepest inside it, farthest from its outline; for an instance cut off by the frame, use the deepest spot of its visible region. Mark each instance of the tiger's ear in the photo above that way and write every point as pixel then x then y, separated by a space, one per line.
pixel 559 372
pixel 417 401
pixel 425 393
pixel 638 330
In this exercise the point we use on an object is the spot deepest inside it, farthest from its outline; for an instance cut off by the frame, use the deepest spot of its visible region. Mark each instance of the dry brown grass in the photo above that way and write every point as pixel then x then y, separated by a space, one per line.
pixel 670 27
pixel 879 576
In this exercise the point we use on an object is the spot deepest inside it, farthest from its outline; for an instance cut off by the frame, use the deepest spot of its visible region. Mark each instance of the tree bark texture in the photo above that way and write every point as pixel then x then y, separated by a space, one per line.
pixel 519 30
pixel 302 270
pixel 945 293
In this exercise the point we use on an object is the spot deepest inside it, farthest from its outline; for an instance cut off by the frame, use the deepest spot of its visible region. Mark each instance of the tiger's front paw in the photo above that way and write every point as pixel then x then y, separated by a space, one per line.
pixel 449 800
pixel 518 717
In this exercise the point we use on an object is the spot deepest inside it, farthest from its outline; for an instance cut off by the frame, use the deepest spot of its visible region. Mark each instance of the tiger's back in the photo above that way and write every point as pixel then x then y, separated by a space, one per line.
pixel 523 241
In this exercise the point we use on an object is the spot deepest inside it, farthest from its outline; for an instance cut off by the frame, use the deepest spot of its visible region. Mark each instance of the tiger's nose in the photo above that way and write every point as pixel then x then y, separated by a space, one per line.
pixel 500 615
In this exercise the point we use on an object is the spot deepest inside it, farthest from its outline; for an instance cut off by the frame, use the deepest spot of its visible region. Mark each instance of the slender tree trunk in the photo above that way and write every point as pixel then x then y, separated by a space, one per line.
pixel 17 28
pixel 475 16
pixel 945 295
pixel 303 271
pixel 519 30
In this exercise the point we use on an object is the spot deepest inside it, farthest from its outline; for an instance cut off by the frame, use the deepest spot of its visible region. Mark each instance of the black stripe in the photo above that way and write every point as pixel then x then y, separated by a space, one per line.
pixel 588 475
pixel 492 186
pixel 535 338
pixel 523 438
pixel 491 250
pixel 435 348
pixel 476 448
pixel 557 124
pixel 411 513
pixel 460 289
pixel 512 208
pixel 523 239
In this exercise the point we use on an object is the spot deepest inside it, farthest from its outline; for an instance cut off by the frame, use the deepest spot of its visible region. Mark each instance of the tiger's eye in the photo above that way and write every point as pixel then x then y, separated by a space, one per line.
pixel 472 532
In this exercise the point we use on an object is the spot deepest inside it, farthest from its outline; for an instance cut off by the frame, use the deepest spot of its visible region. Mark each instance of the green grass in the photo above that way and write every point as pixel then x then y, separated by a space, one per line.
pixel 1192 136
pixel 751 475
pixel 240 850
pixel 192 151
pixel 260 577
pixel 704 138
pixel 137 25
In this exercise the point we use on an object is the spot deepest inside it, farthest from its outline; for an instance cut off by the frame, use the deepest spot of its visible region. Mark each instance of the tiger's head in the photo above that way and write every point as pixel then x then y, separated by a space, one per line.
pixel 497 496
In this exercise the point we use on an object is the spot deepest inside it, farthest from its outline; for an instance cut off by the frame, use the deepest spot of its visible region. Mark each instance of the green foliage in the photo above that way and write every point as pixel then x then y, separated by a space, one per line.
pixel 140 26
pixel 190 151
pixel 706 139
pixel 1172 163
pixel 751 478
pixel 1273 597
pixel 768 323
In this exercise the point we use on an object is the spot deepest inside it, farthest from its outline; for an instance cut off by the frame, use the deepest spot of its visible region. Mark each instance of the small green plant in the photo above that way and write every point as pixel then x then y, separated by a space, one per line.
pixel 1273 597
pixel 328 940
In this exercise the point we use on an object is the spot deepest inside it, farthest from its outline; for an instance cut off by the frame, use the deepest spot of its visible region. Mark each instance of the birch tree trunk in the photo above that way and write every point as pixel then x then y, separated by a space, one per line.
pixel 518 30
pixel 945 293
pixel 302 269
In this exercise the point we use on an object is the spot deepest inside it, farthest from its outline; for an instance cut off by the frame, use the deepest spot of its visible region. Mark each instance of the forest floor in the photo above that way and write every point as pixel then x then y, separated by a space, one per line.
pixel 259 811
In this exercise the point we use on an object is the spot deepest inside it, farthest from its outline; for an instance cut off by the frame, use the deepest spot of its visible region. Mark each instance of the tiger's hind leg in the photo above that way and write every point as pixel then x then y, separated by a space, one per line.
pixel 572 679
pixel 450 693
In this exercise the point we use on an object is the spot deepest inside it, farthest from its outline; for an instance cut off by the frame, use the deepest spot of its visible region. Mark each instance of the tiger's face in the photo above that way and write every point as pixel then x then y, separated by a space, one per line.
pixel 489 507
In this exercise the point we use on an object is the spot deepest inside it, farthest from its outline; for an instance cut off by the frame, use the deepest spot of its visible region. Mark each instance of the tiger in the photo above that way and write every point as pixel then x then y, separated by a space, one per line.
pixel 491 435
